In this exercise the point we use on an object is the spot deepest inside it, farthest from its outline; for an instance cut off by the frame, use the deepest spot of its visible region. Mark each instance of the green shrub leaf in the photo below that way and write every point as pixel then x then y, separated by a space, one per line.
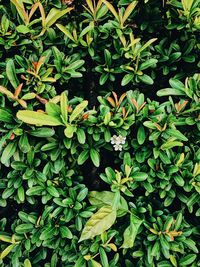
pixel 101 221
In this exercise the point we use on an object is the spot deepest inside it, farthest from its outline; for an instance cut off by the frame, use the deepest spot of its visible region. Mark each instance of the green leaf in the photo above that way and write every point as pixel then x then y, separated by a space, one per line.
pixel 37 118
pixel 141 135
pixel 131 231
pixel 24 143
pixel 103 257
pixel 176 84
pixel 129 10
pixel 99 222
pixel 82 194
pixel 6 92
pixel 95 157
pixel 169 91
pixel 78 110
pixel 35 190
pixel 187 260
pixel 52 109
pixel 63 107
pixel 139 176
pixel 86 30
pixel 47 233
pixel 24 228
pixel 170 144
pixel 65 31
pixel 103 78
pixel 54 260
pixel 8 192
pixel 145 79
pixel 155 249
pixel 173 260
pixel 23 29
pixel 176 133
pixel 127 78
pixel 42 132
pixel 11 73
pixel 84 155
pixel 81 135
pixel 54 15
pixel 108 57
pixel 111 8
pixel 106 198
pixel 53 191
pixel 20 193
pixel 179 180
pixel 70 130
pixel 148 43
pixel 65 232
pixel 148 63
pixel 191 245
pixel 75 65
pixel 95 263
pixel 5 116
pixel 8 152
pixel 178 221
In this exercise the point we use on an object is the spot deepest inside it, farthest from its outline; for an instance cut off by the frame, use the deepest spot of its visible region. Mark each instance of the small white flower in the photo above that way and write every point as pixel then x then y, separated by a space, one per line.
pixel 118 147
pixel 114 139
pixel 122 139
pixel 117 142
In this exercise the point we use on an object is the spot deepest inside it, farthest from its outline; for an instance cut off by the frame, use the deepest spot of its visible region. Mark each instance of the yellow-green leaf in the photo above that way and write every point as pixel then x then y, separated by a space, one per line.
pixel 6 92
pixel 27 263
pixel 65 31
pixel 129 10
pixel 170 144
pixel 54 15
pixel 112 9
pixel 90 5
pixel 6 239
pixel 6 251
pixel 78 109
pixel 147 44
pixel 95 263
pixel 187 4
pixel 63 107
pixel 37 118
pixel 101 221
pixel 70 130
pixel 21 10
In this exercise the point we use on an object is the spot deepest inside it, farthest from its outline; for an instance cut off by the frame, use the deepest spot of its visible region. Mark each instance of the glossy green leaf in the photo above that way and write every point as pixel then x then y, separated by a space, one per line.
pixel 171 144
pixel 8 152
pixel 141 135
pixel 84 155
pixel 11 73
pixel 95 157
pixel 187 260
pixel 131 231
pixel 106 198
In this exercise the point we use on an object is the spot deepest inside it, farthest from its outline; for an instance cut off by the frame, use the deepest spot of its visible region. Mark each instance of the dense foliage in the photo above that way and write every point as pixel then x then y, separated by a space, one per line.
pixel 99 133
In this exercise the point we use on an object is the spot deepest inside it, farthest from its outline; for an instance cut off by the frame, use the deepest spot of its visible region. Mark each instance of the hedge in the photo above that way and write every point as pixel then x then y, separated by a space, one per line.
pixel 99 133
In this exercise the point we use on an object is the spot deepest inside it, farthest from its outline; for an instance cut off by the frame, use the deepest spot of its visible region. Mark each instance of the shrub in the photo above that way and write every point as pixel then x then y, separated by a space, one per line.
pixel 99 133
